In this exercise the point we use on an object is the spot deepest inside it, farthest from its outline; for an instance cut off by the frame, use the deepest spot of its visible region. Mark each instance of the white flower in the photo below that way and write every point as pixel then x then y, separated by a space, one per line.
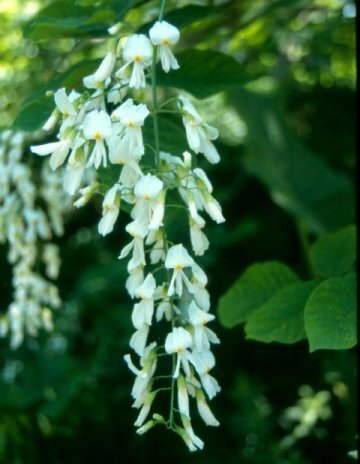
pixel 86 195
pixel 199 241
pixel 178 341
pixel 138 339
pixel 164 34
pixel 164 310
pixel 183 397
pixel 150 201
pixel 199 274
pixel 202 335
pixel 148 362
pixel 213 208
pixel 201 295
pixel 75 168
pixel 135 279
pixel 203 362
pixel 148 400
pixel 204 410
pixel 202 179
pixel 131 118
pixel 190 198
pixel 158 212
pixel 65 103
pixel 195 440
pixel 138 230
pixel 155 238
pixel 143 311
pixel 178 258
pixel 198 133
pixel 97 126
pixel 110 210
pixel 148 188
pixel 101 77
pixel 137 50
pixel 58 150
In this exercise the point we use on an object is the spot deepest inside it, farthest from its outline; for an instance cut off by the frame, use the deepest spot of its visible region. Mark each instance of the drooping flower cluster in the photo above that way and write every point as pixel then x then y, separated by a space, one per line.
pixel 27 229
pixel 104 129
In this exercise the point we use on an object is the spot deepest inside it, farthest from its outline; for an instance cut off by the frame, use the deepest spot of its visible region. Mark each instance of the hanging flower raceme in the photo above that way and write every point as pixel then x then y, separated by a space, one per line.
pixel 169 288
pixel 27 230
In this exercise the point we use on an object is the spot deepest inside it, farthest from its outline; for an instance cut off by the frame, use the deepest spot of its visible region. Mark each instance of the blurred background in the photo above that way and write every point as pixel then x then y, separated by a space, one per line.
pixel 64 396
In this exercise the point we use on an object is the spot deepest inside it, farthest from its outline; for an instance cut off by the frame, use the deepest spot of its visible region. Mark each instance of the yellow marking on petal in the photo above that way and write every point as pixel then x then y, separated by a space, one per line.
pixel 131 124
pixel 146 197
pixel 137 58
pixel 165 42
pixel 98 136
pixel 178 267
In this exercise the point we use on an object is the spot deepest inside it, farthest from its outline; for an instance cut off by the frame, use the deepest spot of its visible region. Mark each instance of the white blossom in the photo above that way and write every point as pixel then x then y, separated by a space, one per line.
pixel 97 126
pixel 178 258
pixel 130 118
pixel 110 210
pixel 164 34
pixel 101 77
pixel 199 134
pixel 203 336
pixel 177 341
pixel 57 150
pixel 138 52
pixel 204 410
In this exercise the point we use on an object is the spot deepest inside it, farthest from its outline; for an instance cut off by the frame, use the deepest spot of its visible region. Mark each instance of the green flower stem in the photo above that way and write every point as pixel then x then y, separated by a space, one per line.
pixel 162 8
pixel 154 114
pixel 305 246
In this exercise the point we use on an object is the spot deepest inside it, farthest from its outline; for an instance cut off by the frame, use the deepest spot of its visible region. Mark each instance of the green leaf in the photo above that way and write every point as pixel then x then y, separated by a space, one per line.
pixel 334 254
pixel 173 137
pixel 37 108
pixel 281 318
pixel 298 181
pixel 182 17
pixel 34 114
pixel 330 314
pixel 65 18
pixel 255 286
pixel 204 73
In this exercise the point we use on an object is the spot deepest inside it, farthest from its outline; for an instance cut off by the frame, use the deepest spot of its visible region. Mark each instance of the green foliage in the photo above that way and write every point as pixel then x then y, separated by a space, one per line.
pixel 281 317
pixel 274 308
pixel 204 73
pixel 66 18
pixel 258 283
pixel 182 17
pixel 330 314
pixel 334 254
pixel 37 108
pixel 34 113
pixel 289 170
